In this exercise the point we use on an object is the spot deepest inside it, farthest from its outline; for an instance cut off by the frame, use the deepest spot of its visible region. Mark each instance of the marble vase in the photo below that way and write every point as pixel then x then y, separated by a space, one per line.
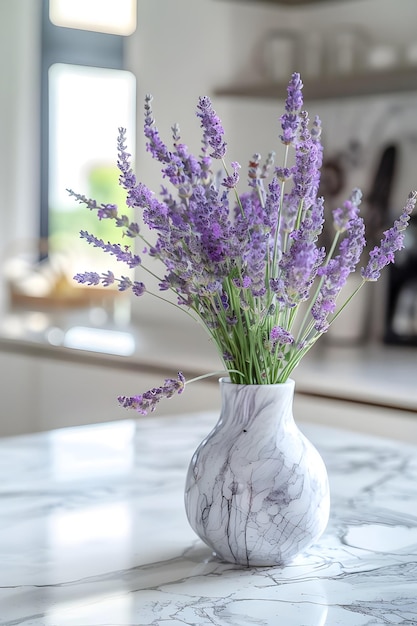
pixel 257 490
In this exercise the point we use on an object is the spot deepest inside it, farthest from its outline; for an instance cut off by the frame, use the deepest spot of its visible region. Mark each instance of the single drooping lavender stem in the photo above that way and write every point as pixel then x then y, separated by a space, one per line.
pixel 392 241
pixel 148 401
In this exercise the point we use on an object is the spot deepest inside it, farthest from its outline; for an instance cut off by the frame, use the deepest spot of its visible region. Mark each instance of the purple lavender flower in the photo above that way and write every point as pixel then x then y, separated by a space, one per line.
pixel 335 276
pixel 232 180
pixel 89 203
pixel 155 144
pixel 88 278
pixel 280 335
pixel 138 195
pixel 336 272
pixel 107 211
pixel 293 106
pixel 349 211
pixel 110 211
pixel 283 173
pixel 242 284
pixel 138 288
pixel 213 129
pixel 316 139
pixel 108 279
pixel 298 268
pixel 192 170
pixel 277 286
pixel 148 401
pixel 393 241
pixel 121 254
pixel 127 177
pixel 272 205
pixel 305 175
pixel 299 264
pixel 174 162
pixel 125 283
pixel 252 233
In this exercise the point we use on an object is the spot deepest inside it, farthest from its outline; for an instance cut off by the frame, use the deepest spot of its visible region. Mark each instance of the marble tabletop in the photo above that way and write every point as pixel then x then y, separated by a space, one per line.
pixel 94 533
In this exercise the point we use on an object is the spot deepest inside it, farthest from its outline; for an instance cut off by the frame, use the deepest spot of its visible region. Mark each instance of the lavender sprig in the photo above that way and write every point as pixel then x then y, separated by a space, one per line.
pixel 392 241
pixel 293 105
pixel 122 254
pixel 148 401
pixel 336 272
pixel 108 278
pixel 212 126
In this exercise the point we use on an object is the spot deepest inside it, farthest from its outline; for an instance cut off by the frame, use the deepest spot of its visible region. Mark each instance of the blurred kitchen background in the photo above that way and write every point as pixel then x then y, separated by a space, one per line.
pixel 73 71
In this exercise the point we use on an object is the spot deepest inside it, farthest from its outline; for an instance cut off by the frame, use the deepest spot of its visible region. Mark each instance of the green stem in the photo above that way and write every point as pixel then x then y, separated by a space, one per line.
pixel 234 189
pixel 282 190
pixel 314 338
pixel 177 306
pixel 344 305
pixel 218 373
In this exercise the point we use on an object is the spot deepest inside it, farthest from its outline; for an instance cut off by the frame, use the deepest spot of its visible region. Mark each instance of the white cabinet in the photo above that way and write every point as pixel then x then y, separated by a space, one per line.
pixel 20 391
pixel 357 416
pixel 40 393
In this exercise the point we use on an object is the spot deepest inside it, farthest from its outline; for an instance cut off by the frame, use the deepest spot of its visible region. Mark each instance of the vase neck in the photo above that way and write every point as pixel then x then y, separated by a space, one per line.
pixel 266 404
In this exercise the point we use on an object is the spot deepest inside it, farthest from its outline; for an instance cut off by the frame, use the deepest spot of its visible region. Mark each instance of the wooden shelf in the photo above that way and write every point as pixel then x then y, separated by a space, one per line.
pixel 365 84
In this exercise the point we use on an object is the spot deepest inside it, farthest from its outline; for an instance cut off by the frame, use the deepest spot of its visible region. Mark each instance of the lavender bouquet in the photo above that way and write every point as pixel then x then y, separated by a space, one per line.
pixel 247 265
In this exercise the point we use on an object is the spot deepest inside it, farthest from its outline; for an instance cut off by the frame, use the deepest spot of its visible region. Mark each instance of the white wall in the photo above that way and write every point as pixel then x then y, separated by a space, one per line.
pixel 19 121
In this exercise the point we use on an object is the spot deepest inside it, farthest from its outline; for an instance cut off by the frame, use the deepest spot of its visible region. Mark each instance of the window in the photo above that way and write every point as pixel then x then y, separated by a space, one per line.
pixel 106 16
pixel 86 96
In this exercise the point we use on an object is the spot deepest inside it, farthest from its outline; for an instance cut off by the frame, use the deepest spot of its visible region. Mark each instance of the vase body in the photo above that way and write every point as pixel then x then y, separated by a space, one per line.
pixel 257 490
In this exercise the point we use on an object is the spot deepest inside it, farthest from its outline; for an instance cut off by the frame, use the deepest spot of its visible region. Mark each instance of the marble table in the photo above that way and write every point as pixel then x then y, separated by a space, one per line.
pixel 93 533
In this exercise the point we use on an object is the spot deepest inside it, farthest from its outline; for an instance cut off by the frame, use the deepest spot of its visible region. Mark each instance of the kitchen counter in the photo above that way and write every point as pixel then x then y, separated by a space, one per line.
pixel 93 532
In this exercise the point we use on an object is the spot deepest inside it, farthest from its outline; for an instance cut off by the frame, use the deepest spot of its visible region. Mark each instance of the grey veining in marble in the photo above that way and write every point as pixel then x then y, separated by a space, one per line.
pixel 93 532
pixel 257 491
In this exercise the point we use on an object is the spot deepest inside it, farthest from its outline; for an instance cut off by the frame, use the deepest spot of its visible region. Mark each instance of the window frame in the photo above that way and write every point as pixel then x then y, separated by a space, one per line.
pixel 74 47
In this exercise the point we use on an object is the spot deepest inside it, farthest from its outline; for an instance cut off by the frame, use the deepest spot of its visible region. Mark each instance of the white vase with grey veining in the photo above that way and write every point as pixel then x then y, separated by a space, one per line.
pixel 257 490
